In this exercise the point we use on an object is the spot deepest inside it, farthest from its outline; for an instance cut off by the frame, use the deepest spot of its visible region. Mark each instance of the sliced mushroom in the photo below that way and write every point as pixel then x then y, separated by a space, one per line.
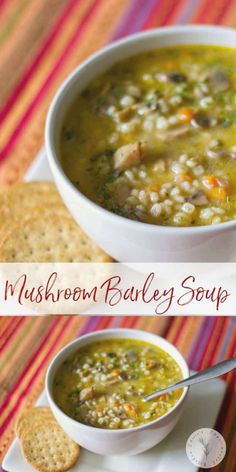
pixel 131 356
pixel 171 133
pixel 198 199
pixel 130 392
pixel 126 114
pixel 215 153
pixel 177 77
pixel 124 376
pixel 128 156
pixel 113 381
pixel 218 81
pixel 110 354
pixel 121 193
pixel 202 120
pixel 152 364
pixel 86 394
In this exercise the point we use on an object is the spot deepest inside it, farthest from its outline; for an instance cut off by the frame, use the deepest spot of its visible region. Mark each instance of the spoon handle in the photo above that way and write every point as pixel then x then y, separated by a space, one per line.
pixel 206 374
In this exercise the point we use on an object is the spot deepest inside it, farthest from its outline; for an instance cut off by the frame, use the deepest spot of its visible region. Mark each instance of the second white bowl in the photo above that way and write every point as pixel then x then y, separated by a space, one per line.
pixel 120 441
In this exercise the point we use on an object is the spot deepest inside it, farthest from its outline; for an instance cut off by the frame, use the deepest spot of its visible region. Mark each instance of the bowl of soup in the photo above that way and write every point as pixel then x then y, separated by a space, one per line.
pixel 96 384
pixel 141 142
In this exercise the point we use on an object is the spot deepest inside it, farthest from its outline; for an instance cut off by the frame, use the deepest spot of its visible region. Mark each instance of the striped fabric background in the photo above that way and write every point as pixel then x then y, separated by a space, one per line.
pixel 40 43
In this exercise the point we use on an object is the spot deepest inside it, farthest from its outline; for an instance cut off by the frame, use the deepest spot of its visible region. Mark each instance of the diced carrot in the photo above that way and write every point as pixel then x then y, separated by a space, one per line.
pixel 210 181
pixel 182 178
pixel 114 403
pixel 116 372
pixel 162 397
pixel 213 182
pixel 130 409
pixel 218 193
pixel 153 188
pixel 185 114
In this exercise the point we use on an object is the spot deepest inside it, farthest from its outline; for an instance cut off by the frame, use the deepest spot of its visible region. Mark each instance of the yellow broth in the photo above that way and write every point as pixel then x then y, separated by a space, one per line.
pixel 153 138
pixel 103 384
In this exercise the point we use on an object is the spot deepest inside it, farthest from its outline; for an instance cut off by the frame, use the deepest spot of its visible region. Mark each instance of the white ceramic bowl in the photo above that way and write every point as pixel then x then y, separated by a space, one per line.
pixel 124 239
pixel 120 441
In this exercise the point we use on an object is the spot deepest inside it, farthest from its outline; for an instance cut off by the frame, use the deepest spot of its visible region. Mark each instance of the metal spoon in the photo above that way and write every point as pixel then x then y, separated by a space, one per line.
pixel 206 374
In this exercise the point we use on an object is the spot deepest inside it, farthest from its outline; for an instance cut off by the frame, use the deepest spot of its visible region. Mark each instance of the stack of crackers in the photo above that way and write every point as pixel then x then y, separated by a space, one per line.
pixel 43 442
pixel 35 226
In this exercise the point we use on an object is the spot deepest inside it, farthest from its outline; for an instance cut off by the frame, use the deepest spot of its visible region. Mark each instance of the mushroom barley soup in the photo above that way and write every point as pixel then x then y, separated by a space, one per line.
pixel 154 138
pixel 103 384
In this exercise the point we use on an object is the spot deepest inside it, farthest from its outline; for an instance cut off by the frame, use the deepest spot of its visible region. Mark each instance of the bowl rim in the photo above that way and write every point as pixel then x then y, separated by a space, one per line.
pixel 65 352
pixel 54 161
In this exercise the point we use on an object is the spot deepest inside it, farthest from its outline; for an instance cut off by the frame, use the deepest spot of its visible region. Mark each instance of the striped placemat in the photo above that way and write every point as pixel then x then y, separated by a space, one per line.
pixel 28 344
pixel 41 41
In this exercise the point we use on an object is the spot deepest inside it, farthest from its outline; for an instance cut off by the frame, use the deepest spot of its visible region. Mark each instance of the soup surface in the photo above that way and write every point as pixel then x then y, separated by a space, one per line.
pixel 103 384
pixel 154 138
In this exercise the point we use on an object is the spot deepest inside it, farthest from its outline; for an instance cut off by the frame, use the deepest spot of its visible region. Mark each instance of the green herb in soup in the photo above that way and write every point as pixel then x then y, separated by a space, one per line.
pixel 103 384
pixel 154 138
